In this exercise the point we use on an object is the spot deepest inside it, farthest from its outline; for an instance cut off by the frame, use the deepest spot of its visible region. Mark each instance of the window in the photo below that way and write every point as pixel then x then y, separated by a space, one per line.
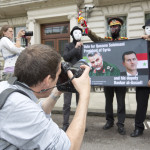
pixel 56 30
pixel 147 16
pixel 16 30
pixel 123 32
pixel 56 35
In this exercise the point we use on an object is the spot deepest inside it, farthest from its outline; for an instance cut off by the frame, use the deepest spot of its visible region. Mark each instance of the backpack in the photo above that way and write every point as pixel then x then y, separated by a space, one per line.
pixel 3 98
pixel 5 94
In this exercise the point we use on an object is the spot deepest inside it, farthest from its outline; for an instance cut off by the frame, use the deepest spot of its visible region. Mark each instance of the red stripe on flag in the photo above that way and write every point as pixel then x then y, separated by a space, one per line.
pixel 142 56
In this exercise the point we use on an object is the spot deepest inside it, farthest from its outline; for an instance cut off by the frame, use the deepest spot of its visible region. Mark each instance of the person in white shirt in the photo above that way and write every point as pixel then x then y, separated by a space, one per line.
pixel 10 50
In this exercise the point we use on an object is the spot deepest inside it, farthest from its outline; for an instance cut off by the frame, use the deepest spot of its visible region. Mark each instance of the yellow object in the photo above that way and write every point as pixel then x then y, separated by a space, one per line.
pixel 80 19
pixel 114 22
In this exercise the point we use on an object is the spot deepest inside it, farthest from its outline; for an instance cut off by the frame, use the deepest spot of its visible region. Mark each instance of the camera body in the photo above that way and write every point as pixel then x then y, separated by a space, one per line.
pixel 64 84
pixel 28 33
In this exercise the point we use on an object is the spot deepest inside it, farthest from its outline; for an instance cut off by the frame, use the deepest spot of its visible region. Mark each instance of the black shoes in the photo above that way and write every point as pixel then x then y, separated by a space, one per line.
pixel 136 133
pixel 121 130
pixel 108 125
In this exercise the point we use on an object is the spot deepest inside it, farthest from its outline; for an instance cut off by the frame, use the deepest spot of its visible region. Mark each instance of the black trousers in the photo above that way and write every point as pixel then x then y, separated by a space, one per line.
pixel 142 96
pixel 66 107
pixel 120 95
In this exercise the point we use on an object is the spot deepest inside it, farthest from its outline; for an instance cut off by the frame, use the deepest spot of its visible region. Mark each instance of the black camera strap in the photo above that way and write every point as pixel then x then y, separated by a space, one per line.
pixel 13 80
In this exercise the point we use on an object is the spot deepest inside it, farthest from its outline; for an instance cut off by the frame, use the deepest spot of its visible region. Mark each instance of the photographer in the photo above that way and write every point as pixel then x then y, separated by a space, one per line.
pixel 37 70
pixel 10 51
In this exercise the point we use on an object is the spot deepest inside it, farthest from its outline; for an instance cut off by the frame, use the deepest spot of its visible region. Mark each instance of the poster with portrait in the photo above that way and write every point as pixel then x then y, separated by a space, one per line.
pixel 118 63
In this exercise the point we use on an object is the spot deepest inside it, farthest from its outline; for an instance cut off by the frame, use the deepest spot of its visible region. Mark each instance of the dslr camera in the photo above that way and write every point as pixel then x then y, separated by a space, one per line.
pixel 28 33
pixel 64 83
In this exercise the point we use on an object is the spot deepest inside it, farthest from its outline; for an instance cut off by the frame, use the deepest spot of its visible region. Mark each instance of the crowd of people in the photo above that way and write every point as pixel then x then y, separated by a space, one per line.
pixel 35 70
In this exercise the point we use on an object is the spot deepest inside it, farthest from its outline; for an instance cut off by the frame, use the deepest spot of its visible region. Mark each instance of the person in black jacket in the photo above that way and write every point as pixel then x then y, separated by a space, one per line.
pixel 142 95
pixel 72 54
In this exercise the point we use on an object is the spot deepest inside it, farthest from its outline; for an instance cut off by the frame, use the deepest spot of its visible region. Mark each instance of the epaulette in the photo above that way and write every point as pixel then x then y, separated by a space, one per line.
pixel 125 38
pixel 107 37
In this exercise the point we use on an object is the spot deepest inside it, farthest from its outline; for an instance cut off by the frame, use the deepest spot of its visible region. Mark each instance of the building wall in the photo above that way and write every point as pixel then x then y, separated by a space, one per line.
pixel 135 13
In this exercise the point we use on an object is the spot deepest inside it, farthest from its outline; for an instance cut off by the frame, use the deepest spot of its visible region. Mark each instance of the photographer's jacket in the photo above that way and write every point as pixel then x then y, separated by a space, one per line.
pixel 24 124
pixel 72 54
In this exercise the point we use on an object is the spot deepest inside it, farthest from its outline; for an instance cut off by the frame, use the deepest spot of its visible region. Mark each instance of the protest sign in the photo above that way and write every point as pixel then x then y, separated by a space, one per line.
pixel 108 67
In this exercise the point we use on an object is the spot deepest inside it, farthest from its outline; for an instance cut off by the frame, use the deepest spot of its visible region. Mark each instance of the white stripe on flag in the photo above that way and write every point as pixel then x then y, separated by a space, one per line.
pixel 142 64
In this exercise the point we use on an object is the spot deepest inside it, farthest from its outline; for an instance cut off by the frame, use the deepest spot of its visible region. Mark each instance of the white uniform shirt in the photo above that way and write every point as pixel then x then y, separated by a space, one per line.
pixel 24 124
pixel 9 52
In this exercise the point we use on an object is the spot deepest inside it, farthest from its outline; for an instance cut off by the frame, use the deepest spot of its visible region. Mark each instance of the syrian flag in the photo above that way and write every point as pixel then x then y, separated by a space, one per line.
pixel 142 60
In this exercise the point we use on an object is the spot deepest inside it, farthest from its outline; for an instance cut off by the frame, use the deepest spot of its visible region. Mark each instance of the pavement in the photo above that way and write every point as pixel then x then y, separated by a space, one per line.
pixel 97 103
pixel 98 139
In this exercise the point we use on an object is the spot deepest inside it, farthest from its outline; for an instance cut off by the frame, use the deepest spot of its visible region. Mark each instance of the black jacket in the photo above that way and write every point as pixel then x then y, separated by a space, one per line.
pixel 72 54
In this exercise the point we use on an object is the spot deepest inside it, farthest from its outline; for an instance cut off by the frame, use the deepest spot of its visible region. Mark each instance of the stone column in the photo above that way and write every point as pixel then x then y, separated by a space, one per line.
pixel 73 21
pixel 32 25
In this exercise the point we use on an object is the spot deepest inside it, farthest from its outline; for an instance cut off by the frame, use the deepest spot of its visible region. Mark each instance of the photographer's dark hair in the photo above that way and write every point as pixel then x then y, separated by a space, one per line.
pixel 35 63
pixel 4 29
pixel 127 53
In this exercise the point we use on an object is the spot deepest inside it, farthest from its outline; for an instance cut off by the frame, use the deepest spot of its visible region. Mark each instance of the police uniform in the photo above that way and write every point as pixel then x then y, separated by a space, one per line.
pixel 107 70
pixel 109 91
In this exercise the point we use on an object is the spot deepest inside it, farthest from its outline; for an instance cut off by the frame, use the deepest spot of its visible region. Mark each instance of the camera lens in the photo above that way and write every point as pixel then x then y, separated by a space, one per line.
pixel 28 33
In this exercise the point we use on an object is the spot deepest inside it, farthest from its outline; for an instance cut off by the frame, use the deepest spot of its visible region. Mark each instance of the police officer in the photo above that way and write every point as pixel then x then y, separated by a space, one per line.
pixel 100 67
pixel 115 24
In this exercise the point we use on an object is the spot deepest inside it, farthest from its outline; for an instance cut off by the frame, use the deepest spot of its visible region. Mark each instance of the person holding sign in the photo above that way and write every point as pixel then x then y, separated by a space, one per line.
pixel 115 24
pixel 100 67
pixel 142 95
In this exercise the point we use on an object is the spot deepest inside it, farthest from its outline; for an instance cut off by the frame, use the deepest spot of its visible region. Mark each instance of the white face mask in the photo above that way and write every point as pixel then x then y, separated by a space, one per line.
pixel 147 30
pixel 77 35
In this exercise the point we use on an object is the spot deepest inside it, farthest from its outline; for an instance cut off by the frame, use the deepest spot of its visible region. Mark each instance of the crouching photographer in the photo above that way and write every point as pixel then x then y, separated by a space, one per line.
pixel 37 70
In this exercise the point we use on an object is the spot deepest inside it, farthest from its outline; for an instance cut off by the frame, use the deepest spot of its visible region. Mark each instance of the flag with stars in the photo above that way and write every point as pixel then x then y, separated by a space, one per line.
pixel 142 60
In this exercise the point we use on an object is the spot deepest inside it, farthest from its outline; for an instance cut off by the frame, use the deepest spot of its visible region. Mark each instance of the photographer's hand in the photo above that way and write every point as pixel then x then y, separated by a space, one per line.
pixel 18 38
pixel 20 33
pixel 28 40
pixel 76 129
pixel 82 83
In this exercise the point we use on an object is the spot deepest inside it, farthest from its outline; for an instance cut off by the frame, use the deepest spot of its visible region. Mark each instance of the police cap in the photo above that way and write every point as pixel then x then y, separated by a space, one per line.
pixel 115 21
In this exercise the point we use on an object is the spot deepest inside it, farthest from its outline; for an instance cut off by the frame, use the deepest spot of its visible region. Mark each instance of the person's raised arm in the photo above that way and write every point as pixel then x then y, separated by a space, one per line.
pixel 18 38
pixel 76 129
